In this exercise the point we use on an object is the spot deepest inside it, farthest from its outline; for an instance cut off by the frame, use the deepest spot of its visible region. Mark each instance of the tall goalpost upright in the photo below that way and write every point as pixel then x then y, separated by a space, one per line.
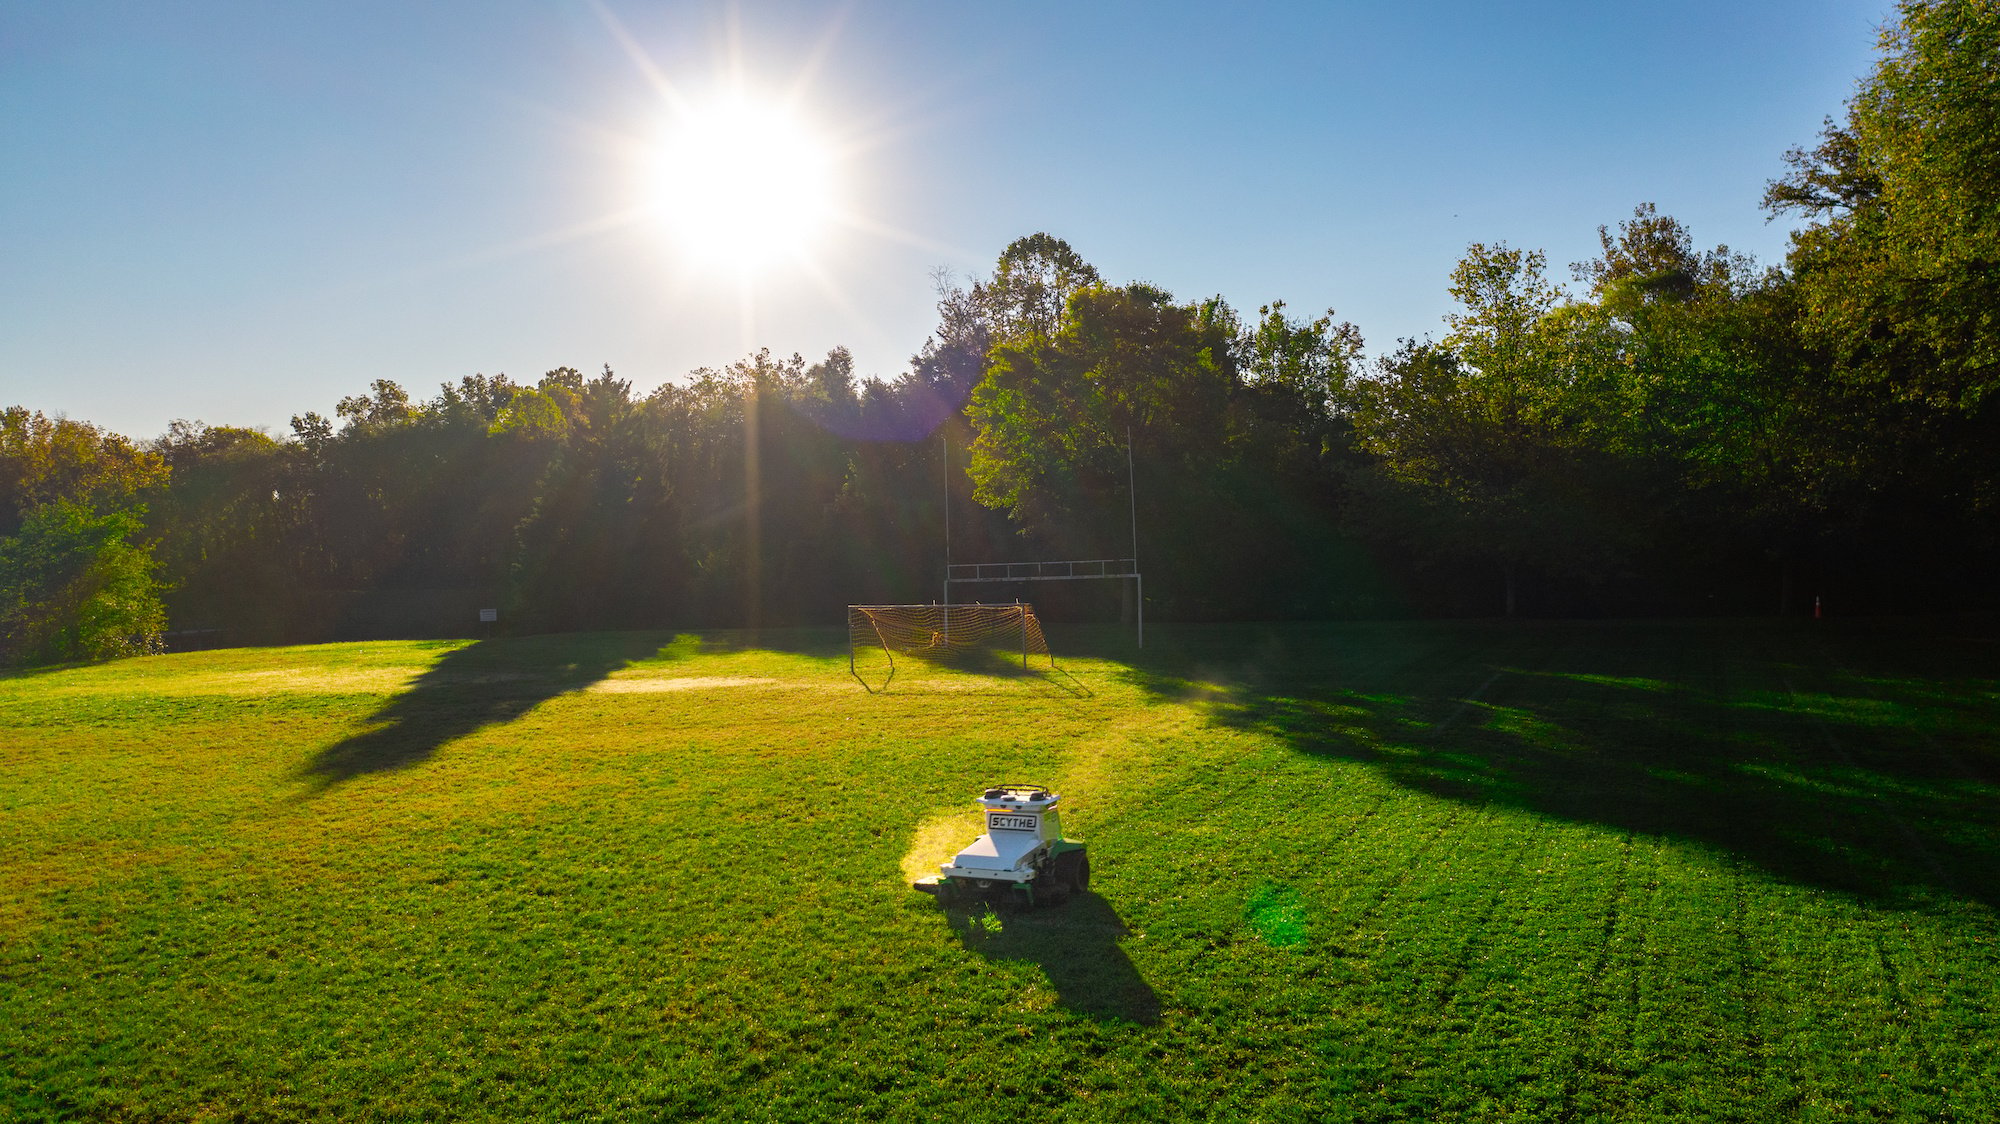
pixel 1084 570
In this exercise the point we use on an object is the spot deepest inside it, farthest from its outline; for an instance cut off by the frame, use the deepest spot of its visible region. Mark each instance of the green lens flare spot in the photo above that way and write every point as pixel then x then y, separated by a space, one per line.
pixel 1276 914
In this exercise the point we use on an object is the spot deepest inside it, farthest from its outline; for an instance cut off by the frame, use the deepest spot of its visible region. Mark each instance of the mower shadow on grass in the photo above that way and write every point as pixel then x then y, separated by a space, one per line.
pixel 483 684
pixel 1862 759
pixel 1076 945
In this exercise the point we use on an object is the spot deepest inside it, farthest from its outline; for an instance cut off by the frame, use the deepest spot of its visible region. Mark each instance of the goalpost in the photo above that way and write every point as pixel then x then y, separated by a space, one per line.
pixel 991 573
pixel 947 633
pixel 988 573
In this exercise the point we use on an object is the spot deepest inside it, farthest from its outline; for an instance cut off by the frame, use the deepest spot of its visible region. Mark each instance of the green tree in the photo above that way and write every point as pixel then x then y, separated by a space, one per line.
pixel 75 581
pixel 1715 437
pixel 1470 428
pixel 1900 267
pixel 44 459
pixel 226 527
pixel 74 586
pixel 1234 434
pixel 1053 412
pixel 1314 360
pixel 1897 276
pixel 1031 285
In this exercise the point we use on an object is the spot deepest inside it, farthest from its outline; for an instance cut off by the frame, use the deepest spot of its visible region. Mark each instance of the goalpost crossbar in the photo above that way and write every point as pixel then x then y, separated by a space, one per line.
pixel 992 573
pixel 1042 571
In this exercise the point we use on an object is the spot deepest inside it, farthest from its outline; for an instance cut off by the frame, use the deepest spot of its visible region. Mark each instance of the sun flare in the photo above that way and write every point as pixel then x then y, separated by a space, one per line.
pixel 743 186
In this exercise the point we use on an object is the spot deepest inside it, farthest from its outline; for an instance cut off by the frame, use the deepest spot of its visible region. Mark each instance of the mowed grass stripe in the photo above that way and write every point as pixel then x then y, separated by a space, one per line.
pixel 1427 944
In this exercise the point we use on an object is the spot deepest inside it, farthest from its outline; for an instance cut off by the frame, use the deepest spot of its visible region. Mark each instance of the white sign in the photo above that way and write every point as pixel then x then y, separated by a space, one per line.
pixel 488 616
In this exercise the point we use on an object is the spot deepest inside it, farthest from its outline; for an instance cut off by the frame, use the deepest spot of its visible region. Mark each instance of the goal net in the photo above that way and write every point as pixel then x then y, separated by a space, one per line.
pixel 947 633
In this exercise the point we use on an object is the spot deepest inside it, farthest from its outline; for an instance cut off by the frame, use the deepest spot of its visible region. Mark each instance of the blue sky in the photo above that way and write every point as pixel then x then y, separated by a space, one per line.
pixel 240 212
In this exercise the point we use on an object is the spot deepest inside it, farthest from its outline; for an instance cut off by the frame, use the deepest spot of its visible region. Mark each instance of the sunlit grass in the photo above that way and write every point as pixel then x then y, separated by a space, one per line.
pixel 1370 872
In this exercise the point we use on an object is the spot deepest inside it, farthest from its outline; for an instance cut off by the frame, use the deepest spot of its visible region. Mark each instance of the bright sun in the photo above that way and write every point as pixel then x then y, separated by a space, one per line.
pixel 743 186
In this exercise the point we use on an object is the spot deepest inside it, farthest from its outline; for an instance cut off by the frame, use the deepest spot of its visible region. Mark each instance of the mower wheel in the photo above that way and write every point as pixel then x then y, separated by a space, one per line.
pixel 1072 872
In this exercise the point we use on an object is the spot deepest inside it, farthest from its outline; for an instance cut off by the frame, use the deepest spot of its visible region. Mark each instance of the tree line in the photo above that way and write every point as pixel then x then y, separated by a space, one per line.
pixel 1683 432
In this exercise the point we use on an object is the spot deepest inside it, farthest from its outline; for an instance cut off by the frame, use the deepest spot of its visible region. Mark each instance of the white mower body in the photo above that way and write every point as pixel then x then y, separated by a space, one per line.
pixel 1022 859
pixel 1020 828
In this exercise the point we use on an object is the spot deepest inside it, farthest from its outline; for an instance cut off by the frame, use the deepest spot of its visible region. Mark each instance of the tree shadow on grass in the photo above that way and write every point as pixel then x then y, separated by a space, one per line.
pixel 1076 944
pixel 1861 759
pixel 468 689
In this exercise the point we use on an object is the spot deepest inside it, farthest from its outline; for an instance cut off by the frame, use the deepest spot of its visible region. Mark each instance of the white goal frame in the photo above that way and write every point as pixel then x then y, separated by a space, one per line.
pixel 1093 569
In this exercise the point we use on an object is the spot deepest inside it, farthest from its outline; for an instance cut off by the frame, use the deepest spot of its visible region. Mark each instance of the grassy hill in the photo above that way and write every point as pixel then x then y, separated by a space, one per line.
pixel 1369 872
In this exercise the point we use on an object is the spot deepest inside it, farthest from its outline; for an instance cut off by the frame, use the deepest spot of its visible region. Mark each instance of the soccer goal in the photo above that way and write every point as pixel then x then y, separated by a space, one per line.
pixel 946 633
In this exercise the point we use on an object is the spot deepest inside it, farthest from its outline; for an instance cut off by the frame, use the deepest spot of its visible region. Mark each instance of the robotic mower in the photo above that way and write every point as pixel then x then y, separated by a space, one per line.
pixel 1022 859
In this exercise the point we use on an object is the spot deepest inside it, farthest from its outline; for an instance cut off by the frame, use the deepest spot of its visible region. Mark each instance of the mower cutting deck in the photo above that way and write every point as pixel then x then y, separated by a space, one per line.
pixel 1022 858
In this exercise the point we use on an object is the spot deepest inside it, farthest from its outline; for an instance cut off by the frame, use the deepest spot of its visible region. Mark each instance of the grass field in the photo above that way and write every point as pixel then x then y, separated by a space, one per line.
pixel 1359 872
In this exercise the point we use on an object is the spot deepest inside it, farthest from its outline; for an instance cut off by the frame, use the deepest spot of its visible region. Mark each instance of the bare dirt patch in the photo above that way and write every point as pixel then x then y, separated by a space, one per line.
pixel 620 685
